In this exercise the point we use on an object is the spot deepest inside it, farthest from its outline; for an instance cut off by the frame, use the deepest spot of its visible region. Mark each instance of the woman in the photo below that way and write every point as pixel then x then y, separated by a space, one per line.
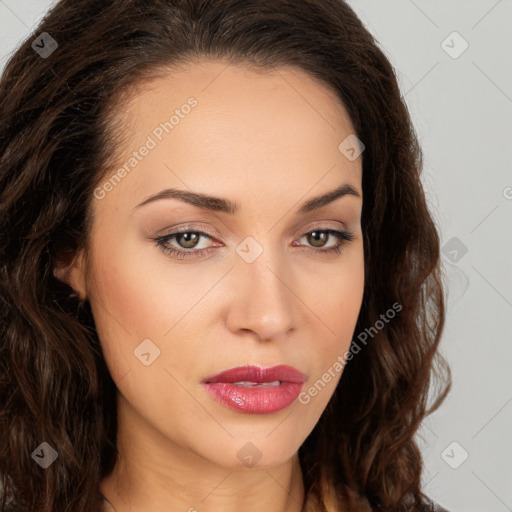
pixel 220 280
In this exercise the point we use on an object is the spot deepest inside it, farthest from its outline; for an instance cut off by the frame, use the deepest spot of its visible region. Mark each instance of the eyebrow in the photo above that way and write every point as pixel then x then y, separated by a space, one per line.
pixel 219 204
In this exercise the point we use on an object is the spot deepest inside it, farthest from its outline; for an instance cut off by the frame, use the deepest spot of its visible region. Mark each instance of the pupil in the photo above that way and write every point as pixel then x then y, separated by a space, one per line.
pixel 192 239
pixel 318 236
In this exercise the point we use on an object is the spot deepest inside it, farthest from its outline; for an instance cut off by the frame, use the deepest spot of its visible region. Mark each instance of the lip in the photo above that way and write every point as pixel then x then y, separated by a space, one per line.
pixel 257 398
pixel 258 374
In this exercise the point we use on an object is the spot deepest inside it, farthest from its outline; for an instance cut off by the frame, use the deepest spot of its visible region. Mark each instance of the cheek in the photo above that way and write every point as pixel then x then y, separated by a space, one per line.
pixel 126 305
pixel 136 296
pixel 338 309
pixel 340 300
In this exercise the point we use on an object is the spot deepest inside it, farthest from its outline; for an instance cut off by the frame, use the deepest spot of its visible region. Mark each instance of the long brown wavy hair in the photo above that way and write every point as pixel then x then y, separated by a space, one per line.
pixel 57 141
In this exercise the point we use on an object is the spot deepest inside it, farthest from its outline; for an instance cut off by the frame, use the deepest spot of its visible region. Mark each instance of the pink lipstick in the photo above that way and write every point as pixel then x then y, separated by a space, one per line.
pixel 255 390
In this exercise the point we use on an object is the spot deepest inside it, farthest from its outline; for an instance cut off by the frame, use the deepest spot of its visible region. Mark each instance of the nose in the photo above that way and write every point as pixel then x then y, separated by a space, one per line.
pixel 263 300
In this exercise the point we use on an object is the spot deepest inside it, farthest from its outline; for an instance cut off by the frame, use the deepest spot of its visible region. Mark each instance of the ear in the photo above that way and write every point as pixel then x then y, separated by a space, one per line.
pixel 71 269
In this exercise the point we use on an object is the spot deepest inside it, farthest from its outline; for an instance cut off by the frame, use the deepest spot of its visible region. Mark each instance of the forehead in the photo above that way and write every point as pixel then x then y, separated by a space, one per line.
pixel 238 93
pixel 213 125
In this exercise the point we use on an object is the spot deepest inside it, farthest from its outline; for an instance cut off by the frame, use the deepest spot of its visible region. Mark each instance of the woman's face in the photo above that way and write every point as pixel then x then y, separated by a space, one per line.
pixel 255 289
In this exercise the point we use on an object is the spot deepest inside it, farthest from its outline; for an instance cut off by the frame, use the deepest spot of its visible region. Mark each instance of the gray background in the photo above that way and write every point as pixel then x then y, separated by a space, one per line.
pixel 461 103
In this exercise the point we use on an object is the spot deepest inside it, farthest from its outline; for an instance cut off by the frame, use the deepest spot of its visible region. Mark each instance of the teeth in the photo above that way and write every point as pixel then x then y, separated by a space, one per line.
pixel 248 384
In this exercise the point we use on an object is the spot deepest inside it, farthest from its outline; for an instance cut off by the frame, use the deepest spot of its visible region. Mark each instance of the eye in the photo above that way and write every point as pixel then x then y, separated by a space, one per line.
pixel 318 237
pixel 188 239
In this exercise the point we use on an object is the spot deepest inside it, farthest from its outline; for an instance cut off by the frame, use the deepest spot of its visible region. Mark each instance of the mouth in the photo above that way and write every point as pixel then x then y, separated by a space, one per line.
pixel 258 384
pixel 254 375
pixel 255 390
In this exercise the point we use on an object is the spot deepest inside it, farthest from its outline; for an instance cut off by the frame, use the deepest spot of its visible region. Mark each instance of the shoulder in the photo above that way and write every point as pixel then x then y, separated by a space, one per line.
pixel 430 505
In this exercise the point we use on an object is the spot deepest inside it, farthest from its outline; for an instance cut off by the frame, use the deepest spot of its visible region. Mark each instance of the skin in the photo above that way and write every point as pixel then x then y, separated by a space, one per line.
pixel 268 141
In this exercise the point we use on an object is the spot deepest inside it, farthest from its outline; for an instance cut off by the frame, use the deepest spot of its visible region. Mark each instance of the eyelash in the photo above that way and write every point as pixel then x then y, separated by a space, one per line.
pixel 162 241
